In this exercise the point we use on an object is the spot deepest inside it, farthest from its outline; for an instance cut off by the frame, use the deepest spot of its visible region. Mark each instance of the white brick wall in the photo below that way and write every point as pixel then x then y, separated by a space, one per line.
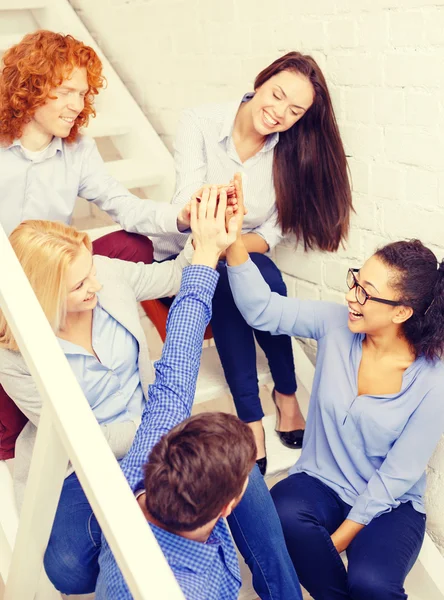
pixel 384 61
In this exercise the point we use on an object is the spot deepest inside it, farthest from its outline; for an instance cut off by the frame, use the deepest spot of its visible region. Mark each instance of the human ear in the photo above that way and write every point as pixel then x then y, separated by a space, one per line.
pixel 228 508
pixel 402 314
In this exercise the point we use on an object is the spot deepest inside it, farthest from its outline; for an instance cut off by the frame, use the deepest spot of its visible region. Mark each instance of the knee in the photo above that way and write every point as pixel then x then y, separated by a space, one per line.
pixel 296 518
pixel 366 583
pixel 67 572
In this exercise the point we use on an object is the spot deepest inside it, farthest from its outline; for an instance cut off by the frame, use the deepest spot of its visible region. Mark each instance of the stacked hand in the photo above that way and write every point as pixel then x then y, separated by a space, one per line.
pixel 213 222
pixel 184 216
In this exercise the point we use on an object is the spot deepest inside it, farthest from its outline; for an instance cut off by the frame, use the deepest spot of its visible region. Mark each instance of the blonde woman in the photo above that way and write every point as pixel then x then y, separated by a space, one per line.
pixel 91 304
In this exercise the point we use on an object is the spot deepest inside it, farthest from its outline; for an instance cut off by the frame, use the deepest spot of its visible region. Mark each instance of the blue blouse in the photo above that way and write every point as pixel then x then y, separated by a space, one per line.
pixel 111 384
pixel 371 450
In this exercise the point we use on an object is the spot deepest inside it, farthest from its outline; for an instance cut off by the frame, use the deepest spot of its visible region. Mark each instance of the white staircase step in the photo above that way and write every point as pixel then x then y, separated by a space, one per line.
pixel 106 125
pixel 9 39
pixel 22 4
pixel 133 173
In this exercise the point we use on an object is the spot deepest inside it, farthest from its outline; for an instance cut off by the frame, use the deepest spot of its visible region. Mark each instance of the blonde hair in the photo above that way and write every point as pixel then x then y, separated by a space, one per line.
pixel 45 250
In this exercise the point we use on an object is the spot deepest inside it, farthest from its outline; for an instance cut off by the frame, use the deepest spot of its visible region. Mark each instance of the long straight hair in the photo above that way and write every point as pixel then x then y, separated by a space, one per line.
pixel 45 250
pixel 313 194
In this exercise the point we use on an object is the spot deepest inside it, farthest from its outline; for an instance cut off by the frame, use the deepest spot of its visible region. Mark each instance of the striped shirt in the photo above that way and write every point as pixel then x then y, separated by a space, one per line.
pixel 204 152
pixel 45 185
pixel 204 571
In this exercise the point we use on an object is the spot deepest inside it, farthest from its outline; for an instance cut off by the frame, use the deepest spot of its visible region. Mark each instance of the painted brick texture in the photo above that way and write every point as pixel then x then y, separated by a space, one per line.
pixel 384 62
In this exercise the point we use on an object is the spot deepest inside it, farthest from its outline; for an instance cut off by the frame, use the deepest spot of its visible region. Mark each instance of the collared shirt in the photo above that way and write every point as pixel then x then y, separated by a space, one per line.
pixel 205 153
pixel 372 450
pixel 47 186
pixel 204 571
pixel 111 382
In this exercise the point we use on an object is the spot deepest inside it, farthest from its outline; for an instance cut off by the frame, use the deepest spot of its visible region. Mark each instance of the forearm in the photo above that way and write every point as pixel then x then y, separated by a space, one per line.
pixel 345 534
pixel 237 253
pixel 253 242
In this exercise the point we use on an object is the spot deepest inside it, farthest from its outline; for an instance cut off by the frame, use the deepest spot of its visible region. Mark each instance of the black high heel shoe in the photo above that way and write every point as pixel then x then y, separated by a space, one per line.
pixel 262 462
pixel 290 439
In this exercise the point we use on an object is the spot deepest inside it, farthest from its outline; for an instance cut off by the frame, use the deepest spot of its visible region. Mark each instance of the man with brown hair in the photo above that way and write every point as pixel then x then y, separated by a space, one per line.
pixel 197 469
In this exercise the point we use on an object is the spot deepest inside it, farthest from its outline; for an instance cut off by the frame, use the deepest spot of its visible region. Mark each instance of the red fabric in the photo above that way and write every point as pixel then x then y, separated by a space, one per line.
pixel 120 244
pixel 126 246
pixel 157 312
pixel 12 421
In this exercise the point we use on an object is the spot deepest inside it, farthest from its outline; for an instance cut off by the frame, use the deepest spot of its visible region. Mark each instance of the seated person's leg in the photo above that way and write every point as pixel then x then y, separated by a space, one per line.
pixel 126 246
pixel 279 353
pixel 257 531
pixel 235 344
pixel 382 554
pixel 12 421
pixel 71 557
pixel 310 512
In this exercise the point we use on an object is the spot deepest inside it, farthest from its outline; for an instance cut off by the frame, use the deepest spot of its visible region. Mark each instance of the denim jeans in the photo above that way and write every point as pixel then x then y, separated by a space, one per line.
pixel 71 558
pixel 379 557
pixel 257 531
pixel 234 340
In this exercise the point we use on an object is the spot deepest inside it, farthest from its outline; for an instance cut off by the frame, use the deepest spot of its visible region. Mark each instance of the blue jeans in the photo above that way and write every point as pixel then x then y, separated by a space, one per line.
pixel 71 558
pixel 72 554
pixel 379 557
pixel 234 340
pixel 257 531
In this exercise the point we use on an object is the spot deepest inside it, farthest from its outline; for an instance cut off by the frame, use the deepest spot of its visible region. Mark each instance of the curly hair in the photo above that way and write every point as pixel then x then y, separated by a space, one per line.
pixel 34 67
pixel 419 280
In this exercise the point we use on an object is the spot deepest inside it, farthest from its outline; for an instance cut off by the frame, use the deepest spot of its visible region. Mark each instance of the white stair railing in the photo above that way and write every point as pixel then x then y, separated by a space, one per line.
pixel 68 430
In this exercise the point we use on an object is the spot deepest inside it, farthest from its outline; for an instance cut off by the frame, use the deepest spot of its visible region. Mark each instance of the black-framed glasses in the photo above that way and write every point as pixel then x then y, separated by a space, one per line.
pixel 361 295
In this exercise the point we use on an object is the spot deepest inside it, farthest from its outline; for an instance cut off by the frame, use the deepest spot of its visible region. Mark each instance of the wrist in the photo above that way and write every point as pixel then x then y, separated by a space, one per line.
pixel 207 258
pixel 237 253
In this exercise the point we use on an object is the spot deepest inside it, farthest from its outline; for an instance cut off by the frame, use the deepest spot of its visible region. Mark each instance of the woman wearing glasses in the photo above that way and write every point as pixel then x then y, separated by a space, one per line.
pixel 376 414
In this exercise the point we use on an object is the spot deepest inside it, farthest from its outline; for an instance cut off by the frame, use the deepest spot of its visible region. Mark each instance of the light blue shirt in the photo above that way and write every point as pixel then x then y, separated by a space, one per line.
pixel 204 571
pixel 204 152
pixel 371 450
pixel 47 188
pixel 111 383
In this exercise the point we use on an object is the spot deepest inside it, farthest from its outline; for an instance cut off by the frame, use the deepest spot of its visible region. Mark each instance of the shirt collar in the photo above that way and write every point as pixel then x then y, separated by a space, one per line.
pixel 71 348
pixel 228 124
pixel 56 145
pixel 198 557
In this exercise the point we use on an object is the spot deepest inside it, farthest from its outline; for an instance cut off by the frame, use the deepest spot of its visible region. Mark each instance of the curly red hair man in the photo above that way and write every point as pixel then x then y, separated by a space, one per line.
pixel 48 83
pixel 33 69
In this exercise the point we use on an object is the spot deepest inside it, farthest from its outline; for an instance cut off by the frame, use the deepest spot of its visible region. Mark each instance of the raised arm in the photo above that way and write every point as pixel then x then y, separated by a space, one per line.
pixel 268 311
pixel 146 217
pixel 172 393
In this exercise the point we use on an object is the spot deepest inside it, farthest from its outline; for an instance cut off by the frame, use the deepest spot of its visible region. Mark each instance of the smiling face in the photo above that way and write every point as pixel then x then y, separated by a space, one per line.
pixel 375 317
pixel 81 283
pixel 280 102
pixel 57 116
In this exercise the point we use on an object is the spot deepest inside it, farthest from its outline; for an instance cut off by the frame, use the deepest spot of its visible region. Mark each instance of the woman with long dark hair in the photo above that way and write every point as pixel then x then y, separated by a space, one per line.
pixel 285 140
pixel 376 414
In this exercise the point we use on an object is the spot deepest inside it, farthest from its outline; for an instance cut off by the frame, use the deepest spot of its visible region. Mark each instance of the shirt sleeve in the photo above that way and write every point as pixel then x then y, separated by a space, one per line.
pixel 270 230
pixel 170 397
pixel 157 280
pixel 190 158
pixel 405 463
pixel 18 383
pixel 146 217
pixel 268 311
